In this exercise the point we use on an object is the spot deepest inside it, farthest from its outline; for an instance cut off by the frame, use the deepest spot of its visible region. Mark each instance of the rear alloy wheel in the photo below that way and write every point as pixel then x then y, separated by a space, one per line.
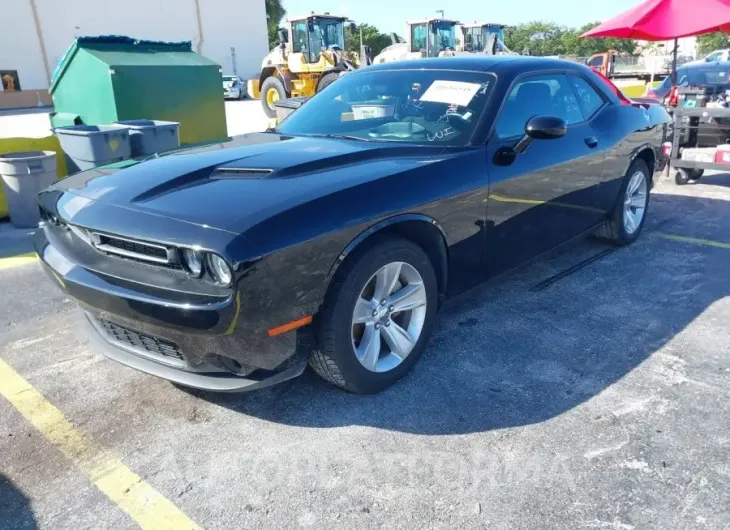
pixel 629 214
pixel 377 317
pixel 635 202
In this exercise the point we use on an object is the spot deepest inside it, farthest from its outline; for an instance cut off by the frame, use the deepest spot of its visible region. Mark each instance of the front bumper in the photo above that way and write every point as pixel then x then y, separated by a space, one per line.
pixel 204 377
pixel 218 344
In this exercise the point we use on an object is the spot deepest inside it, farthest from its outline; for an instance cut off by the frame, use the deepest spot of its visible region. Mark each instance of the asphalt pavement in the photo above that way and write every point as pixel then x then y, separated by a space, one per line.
pixel 587 390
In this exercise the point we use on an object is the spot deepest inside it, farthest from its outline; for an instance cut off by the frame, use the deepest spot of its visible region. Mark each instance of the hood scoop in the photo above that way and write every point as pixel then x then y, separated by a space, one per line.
pixel 230 172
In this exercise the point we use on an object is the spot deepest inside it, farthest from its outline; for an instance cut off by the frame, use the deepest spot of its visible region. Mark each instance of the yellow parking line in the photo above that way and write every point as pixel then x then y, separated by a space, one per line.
pixel 536 202
pixel 17 261
pixel 695 241
pixel 121 485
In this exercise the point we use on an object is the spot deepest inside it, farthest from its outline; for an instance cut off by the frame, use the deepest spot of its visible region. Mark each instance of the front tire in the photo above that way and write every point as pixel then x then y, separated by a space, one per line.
pixel 272 90
pixel 377 316
pixel 327 80
pixel 629 214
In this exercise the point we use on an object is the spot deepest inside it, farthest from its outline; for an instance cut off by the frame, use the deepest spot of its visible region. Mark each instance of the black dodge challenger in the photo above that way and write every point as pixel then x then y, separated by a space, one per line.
pixel 333 239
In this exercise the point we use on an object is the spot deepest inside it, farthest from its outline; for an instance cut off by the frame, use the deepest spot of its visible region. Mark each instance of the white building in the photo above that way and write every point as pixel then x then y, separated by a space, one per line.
pixel 35 33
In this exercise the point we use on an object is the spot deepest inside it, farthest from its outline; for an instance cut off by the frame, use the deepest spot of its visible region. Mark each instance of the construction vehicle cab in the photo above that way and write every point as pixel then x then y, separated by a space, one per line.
pixel 603 62
pixel 474 37
pixel 433 37
pixel 310 56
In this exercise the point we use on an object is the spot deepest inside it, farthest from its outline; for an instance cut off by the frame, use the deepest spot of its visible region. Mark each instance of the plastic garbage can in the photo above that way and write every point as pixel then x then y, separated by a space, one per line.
pixel 147 137
pixel 24 175
pixel 89 146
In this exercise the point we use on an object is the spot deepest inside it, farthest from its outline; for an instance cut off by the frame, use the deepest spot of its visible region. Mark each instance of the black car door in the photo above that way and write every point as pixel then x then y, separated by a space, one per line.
pixel 547 194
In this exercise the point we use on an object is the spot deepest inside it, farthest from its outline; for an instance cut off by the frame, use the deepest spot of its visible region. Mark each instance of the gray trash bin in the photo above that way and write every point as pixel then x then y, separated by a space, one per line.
pixel 89 146
pixel 147 137
pixel 24 174
pixel 286 106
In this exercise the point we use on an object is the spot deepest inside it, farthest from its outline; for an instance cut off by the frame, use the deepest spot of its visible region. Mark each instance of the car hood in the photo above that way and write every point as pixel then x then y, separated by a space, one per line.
pixel 246 178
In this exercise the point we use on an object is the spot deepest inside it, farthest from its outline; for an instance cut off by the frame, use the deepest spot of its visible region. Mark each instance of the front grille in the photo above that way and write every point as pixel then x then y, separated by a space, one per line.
pixel 143 341
pixel 135 250
pixel 134 246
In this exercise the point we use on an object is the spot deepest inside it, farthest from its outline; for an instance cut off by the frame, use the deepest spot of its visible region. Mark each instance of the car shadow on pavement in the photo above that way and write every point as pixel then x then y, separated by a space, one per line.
pixel 521 350
pixel 15 509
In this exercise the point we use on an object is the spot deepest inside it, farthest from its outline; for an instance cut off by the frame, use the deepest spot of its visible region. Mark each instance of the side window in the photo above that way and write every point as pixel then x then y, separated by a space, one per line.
pixel 595 61
pixel 299 38
pixel 588 99
pixel 547 95
pixel 419 37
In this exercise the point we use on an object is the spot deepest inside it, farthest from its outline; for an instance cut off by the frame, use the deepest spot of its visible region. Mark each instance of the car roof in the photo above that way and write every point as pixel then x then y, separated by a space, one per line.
pixel 503 64
pixel 714 65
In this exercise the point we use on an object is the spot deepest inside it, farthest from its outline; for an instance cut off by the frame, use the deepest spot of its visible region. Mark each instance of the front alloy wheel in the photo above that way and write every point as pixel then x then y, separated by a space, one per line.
pixel 377 315
pixel 388 317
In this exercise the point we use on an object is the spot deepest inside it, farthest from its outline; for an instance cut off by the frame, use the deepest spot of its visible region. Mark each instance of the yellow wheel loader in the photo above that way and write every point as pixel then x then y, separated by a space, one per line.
pixel 310 56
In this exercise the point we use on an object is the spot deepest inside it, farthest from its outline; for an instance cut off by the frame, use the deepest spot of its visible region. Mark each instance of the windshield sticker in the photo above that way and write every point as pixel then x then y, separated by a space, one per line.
pixel 440 135
pixel 451 92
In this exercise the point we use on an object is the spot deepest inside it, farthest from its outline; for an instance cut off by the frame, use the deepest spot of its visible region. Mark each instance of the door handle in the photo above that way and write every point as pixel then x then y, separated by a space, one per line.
pixel 591 141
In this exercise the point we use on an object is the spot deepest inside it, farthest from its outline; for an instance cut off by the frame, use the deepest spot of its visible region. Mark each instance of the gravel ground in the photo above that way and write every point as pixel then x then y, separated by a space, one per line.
pixel 599 400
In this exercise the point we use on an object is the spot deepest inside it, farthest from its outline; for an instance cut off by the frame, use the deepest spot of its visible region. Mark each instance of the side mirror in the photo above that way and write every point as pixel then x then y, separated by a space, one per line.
pixel 283 36
pixel 353 27
pixel 541 128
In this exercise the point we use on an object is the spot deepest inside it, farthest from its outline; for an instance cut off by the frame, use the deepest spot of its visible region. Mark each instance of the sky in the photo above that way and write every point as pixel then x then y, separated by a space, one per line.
pixel 391 15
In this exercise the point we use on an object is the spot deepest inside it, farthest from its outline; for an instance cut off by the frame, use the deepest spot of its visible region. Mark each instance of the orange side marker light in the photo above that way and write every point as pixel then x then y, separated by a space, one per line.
pixel 273 332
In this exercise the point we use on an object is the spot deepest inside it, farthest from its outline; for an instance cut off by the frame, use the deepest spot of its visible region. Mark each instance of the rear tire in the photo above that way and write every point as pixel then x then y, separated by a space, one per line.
pixel 341 356
pixel 272 90
pixel 696 174
pixel 327 80
pixel 629 214
pixel 681 176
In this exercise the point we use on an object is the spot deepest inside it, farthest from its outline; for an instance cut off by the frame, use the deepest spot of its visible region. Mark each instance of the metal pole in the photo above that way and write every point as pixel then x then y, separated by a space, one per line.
pixel 674 62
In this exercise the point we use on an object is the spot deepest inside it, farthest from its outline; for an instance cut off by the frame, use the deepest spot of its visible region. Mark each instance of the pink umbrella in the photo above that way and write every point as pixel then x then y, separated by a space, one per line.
pixel 666 20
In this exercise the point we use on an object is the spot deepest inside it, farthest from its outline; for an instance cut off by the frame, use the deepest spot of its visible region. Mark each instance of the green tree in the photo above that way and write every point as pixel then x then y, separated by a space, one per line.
pixel 710 42
pixel 547 38
pixel 592 45
pixel 539 37
pixel 370 36
pixel 274 13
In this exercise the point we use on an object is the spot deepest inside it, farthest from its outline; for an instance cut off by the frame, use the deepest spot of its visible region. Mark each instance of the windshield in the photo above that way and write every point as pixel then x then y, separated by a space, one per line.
pixel 443 35
pixel 414 106
pixel 494 29
pixel 704 76
pixel 327 32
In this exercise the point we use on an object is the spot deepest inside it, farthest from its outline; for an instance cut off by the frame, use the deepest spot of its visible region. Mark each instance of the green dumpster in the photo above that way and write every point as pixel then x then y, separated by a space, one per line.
pixel 101 80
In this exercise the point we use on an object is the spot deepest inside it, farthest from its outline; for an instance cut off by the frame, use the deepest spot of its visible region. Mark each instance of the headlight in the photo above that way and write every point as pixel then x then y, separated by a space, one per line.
pixel 193 261
pixel 219 269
